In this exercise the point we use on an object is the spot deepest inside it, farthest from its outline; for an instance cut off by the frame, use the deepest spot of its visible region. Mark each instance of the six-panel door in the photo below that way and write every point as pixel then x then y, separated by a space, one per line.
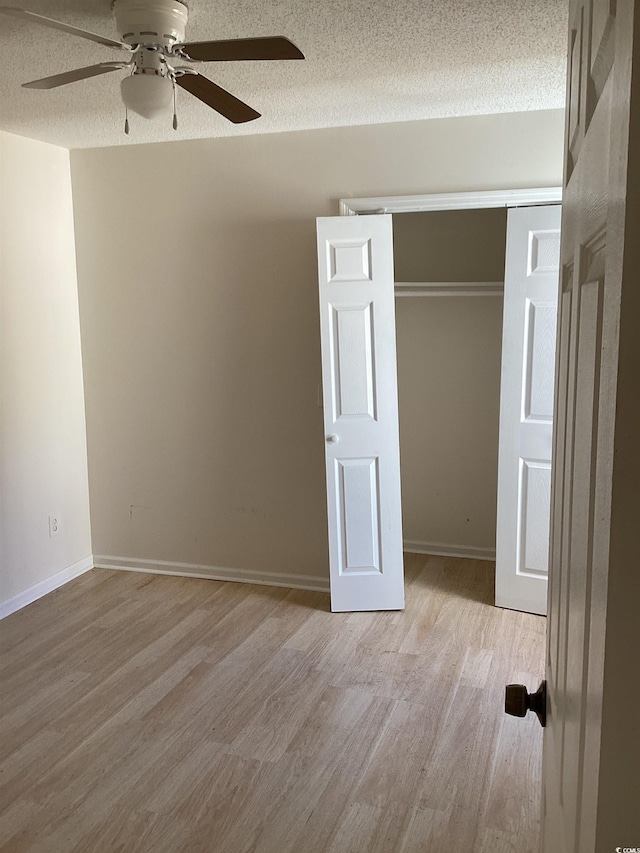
pixel 526 407
pixel 357 321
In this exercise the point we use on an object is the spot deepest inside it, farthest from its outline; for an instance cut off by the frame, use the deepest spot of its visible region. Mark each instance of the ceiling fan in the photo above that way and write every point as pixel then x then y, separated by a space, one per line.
pixel 152 35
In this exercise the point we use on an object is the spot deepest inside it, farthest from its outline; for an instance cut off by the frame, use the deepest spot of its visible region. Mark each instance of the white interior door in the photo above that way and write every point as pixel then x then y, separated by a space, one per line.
pixel 591 754
pixel 526 407
pixel 358 336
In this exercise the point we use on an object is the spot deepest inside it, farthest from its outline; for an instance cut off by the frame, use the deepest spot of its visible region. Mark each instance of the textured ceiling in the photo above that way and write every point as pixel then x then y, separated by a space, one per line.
pixel 367 62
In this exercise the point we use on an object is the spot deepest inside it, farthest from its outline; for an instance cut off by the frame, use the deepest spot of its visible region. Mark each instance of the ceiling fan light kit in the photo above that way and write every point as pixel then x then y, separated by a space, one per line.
pixel 152 33
pixel 147 95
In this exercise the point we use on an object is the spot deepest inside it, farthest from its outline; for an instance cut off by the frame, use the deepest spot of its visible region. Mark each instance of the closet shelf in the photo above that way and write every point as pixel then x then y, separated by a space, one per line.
pixel 449 288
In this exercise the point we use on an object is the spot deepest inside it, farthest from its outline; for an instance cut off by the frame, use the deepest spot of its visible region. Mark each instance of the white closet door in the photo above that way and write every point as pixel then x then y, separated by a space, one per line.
pixel 357 320
pixel 526 407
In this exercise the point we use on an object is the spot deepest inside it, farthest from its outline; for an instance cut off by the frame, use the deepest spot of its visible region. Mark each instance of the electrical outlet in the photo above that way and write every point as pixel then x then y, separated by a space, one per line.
pixel 55 523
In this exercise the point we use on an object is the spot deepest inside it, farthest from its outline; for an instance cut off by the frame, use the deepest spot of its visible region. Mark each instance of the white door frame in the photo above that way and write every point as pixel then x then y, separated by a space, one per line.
pixel 476 199
pixel 450 201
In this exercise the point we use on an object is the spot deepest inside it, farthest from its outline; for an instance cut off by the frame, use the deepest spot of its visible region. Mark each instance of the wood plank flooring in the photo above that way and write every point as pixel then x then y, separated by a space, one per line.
pixel 141 713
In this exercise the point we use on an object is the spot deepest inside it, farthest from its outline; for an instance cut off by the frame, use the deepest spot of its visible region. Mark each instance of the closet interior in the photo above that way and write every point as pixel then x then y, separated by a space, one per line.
pixel 449 276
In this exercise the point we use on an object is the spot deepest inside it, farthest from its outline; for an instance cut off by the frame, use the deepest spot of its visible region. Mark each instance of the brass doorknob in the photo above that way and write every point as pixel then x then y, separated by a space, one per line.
pixel 518 700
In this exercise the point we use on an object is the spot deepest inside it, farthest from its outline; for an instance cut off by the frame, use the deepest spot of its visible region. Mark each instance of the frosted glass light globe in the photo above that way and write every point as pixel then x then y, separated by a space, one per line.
pixel 148 95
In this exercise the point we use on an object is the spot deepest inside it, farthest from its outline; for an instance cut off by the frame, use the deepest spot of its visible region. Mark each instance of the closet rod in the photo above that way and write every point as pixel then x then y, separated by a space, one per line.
pixel 449 288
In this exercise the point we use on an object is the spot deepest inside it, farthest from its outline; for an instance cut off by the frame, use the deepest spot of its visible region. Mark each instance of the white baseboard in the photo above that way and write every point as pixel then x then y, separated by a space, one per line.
pixel 33 593
pixel 443 549
pixel 216 573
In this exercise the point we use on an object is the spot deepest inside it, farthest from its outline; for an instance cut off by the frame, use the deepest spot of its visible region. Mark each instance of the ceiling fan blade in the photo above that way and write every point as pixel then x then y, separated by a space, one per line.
pixel 273 47
pixel 218 99
pixel 72 76
pixel 66 28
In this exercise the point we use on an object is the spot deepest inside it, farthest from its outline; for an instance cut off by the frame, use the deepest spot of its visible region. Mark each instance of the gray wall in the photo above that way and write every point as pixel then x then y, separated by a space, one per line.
pixel 198 301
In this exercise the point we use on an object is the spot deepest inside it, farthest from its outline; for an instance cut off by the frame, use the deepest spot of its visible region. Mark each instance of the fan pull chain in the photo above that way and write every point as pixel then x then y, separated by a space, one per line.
pixel 126 121
pixel 175 114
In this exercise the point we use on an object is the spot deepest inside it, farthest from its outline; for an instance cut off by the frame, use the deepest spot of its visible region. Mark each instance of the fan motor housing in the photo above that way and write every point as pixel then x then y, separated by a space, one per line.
pixel 157 22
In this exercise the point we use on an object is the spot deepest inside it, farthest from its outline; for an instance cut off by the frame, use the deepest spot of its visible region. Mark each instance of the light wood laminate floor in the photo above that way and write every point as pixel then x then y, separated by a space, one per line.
pixel 148 713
